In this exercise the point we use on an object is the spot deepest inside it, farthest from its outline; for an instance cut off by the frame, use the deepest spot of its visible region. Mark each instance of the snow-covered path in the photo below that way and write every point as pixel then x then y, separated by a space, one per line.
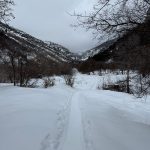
pixel 74 138
pixel 107 120
pixel 112 124
pixel 61 118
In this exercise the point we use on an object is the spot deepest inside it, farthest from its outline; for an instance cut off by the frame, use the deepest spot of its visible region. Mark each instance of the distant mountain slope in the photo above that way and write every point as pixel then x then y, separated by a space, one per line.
pixel 100 49
pixel 36 47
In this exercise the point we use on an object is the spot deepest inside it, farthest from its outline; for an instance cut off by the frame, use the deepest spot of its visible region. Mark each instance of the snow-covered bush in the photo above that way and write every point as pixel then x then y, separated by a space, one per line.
pixel 119 86
pixel 48 82
pixel 141 85
pixel 31 83
pixel 69 80
pixel 74 71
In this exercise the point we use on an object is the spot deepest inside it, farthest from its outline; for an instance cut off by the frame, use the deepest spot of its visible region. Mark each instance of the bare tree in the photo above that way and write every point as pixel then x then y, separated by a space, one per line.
pixel 6 10
pixel 114 18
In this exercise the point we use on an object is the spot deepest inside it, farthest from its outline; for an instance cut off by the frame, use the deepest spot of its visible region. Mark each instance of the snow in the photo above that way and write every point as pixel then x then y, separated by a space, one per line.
pixel 79 118
pixel 113 124
pixel 84 81
pixel 75 129
pixel 32 118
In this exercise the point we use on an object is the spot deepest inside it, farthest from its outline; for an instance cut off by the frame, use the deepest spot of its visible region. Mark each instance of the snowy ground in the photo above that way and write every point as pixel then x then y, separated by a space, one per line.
pixel 82 118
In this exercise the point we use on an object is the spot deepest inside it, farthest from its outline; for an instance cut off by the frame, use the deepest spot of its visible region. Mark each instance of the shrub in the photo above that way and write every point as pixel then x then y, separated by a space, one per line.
pixel 31 84
pixel 49 82
pixel 69 80
pixel 119 86
pixel 141 86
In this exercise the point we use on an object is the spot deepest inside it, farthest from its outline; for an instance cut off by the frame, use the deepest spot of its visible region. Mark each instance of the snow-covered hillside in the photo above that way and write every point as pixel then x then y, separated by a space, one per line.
pixel 79 118
pixel 35 47
pixel 97 50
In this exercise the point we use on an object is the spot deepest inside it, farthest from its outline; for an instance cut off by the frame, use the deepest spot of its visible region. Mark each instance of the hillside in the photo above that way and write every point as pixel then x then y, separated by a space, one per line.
pixel 100 49
pixel 23 56
pixel 36 47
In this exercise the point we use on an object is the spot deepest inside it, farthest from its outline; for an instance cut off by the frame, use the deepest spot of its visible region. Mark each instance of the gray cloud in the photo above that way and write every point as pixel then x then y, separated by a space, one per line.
pixel 49 21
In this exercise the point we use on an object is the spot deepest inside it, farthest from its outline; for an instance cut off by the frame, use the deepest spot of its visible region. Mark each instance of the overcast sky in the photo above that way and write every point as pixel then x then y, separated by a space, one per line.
pixel 48 20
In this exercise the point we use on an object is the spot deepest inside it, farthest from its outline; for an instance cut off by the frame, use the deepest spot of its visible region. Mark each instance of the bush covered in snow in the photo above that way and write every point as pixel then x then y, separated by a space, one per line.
pixel 48 82
pixel 69 80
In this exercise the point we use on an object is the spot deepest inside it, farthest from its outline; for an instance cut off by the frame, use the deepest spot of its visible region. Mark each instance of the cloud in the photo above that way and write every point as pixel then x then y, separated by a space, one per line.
pixel 49 21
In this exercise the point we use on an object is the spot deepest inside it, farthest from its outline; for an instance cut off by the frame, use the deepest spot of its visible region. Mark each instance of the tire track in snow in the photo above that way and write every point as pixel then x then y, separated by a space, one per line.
pixel 54 142
pixel 73 128
pixel 87 135
pixel 75 137
pixel 87 126
pixel 46 143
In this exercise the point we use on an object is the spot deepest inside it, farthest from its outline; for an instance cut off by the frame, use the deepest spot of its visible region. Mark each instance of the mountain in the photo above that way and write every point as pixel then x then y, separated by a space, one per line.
pixel 35 47
pixel 98 50
pixel 129 50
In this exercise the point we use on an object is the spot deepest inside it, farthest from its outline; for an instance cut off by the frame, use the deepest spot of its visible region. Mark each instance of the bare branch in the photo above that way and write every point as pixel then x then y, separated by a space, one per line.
pixel 113 17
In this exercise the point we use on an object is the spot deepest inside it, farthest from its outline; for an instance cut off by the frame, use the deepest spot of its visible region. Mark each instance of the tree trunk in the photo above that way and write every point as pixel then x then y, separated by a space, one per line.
pixel 128 81
pixel 14 70
pixel 21 73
